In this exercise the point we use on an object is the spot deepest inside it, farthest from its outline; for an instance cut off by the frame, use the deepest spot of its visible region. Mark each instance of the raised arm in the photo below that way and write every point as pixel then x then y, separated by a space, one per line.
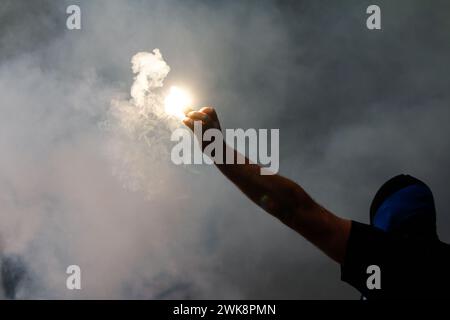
pixel 282 197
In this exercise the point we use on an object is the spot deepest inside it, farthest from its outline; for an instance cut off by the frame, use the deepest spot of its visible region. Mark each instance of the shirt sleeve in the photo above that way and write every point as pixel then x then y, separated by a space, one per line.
pixel 367 246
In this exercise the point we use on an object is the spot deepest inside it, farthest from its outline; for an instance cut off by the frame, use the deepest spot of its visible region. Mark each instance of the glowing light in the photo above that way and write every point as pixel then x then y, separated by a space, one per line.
pixel 177 101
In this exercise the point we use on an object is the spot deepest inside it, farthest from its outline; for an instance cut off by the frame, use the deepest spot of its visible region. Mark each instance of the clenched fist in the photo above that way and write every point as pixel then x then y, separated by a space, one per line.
pixel 209 119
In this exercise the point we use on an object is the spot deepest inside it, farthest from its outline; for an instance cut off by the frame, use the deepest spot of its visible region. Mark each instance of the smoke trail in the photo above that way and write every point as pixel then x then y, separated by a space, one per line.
pixel 151 71
pixel 139 127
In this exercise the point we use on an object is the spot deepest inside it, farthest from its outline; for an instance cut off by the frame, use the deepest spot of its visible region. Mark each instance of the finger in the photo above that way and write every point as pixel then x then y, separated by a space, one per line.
pixel 187 110
pixel 196 115
pixel 189 123
pixel 210 112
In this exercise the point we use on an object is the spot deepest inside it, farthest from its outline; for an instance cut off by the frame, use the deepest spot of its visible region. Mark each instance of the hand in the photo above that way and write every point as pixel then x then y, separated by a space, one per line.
pixel 206 115
pixel 209 120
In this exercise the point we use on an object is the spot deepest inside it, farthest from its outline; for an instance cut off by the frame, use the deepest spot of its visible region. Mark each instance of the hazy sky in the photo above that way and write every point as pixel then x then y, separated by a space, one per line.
pixel 354 108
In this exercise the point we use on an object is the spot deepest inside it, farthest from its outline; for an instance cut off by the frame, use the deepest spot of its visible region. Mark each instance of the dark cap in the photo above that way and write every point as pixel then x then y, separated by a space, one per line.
pixel 422 215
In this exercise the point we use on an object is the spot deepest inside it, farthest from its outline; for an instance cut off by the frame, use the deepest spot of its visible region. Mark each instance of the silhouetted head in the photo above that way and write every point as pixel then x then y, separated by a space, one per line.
pixel 404 205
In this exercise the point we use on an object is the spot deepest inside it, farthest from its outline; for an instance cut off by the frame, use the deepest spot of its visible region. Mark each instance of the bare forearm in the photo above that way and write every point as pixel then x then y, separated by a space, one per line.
pixel 277 195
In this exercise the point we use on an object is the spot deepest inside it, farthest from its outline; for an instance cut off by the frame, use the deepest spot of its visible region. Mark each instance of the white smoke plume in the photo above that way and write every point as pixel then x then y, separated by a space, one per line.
pixel 139 127
pixel 151 70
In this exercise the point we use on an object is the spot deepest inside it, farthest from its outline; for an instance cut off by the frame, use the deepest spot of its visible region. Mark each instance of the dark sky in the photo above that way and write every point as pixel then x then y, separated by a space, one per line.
pixel 354 108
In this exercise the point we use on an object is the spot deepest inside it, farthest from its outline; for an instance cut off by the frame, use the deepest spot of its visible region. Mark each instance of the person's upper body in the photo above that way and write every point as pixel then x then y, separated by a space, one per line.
pixel 401 243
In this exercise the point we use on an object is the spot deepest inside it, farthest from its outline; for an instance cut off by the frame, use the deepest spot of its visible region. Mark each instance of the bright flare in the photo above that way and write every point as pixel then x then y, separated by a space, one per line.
pixel 177 101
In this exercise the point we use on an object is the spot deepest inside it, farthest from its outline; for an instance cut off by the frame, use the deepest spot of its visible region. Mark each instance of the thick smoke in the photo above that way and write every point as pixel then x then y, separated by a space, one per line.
pixel 138 129
pixel 354 107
